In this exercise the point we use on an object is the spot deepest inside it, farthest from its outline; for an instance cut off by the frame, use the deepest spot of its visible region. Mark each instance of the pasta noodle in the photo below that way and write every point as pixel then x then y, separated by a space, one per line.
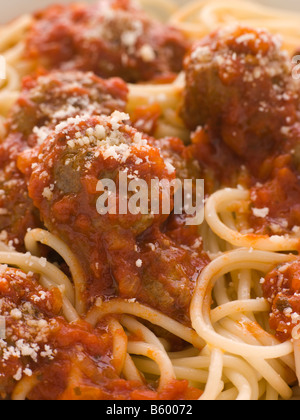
pixel 225 201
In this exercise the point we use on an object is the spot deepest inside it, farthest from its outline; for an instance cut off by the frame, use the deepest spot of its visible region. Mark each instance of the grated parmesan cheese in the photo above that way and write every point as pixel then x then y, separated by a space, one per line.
pixel 139 263
pixel 260 212
pixel 147 53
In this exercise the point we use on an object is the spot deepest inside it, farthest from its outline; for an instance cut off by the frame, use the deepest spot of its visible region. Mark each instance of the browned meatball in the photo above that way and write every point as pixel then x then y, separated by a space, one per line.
pixel 49 98
pixel 111 38
pixel 239 83
pixel 151 257
pixel 172 259
pixel 64 173
pixel 43 102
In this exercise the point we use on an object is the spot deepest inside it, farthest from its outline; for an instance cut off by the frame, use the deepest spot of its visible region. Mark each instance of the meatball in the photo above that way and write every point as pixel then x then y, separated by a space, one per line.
pixel 182 158
pixel 172 259
pixel 64 174
pixel 111 38
pixel 44 101
pixel 49 98
pixel 239 83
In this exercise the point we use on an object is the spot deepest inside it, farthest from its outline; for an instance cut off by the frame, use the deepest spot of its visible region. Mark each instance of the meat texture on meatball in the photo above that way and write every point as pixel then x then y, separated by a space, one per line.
pixel 111 38
pixel 44 101
pixel 111 245
pixel 64 184
pixel 239 83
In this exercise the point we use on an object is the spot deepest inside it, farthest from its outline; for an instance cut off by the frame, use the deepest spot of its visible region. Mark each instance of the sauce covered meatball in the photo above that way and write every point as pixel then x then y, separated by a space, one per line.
pixel 49 98
pixel 239 83
pixel 110 243
pixel 44 101
pixel 64 185
pixel 111 38
pixel 172 258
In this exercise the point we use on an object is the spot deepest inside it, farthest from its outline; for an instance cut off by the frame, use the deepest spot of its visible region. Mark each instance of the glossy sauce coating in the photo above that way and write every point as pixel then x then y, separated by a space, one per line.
pixel 66 361
pixel 281 287
pixel 64 174
pixel 243 103
pixel 44 101
pixel 111 38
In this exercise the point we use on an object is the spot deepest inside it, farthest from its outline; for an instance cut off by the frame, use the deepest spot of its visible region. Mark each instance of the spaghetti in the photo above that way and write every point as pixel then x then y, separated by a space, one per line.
pixel 197 19
pixel 141 306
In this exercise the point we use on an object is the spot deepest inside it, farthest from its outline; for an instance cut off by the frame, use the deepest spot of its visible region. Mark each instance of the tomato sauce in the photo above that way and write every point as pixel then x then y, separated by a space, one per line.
pixel 44 101
pixel 281 287
pixel 111 38
pixel 279 197
pixel 243 103
pixel 68 130
pixel 112 248
pixel 66 360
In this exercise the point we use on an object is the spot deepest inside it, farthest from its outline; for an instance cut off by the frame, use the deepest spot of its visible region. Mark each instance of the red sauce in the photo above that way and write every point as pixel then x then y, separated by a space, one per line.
pixel 172 258
pixel 239 83
pixel 280 198
pixel 241 106
pixel 44 101
pixel 17 211
pixel 213 156
pixel 69 360
pixel 27 308
pixel 243 102
pixel 111 38
pixel 110 247
pixel 145 118
pixel 281 287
